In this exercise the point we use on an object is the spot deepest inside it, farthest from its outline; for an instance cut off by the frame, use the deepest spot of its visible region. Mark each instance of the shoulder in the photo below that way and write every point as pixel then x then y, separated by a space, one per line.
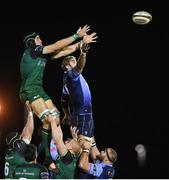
pixel 37 51
pixel 20 146
pixel 37 48
pixel 67 158
pixel 108 172
pixel 73 73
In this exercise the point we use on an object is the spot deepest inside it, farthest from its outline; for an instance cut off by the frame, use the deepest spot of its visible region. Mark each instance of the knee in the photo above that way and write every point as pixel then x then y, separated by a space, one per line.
pixel 55 113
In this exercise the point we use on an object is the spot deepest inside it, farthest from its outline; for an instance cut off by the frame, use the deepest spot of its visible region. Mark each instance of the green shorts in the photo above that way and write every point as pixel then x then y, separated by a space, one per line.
pixel 33 94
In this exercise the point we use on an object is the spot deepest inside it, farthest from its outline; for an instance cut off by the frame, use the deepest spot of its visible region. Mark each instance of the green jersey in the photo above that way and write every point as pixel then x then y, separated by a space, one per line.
pixel 67 166
pixel 31 171
pixel 32 68
pixel 12 159
pixel 32 71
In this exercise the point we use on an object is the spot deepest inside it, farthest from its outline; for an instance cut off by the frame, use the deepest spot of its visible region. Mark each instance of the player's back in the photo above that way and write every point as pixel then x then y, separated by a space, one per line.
pixel 12 159
pixel 31 171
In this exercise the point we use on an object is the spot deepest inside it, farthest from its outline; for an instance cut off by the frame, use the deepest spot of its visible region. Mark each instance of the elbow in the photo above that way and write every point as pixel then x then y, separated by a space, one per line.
pixel 81 165
pixel 58 55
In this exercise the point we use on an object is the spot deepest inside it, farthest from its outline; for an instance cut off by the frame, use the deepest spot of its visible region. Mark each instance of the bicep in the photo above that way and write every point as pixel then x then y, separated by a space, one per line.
pixel 26 136
pixel 49 49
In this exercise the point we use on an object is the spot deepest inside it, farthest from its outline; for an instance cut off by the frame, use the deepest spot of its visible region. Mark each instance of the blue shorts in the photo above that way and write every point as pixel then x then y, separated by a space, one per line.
pixel 84 124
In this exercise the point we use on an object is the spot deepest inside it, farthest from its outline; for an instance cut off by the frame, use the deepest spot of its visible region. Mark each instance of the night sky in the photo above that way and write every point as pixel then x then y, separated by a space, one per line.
pixel 127 71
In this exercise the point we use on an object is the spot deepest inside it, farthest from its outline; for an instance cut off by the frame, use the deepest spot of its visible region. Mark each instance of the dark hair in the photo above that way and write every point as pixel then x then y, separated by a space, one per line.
pixel 66 61
pixel 29 39
pixel 30 152
pixel 11 138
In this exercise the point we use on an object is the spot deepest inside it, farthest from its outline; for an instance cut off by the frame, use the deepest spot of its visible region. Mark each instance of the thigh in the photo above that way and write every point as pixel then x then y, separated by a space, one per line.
pixel 50 104
pixel 39 106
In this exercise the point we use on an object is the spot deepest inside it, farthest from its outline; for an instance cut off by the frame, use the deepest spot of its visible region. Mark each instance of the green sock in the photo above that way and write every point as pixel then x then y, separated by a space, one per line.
pixel 46 138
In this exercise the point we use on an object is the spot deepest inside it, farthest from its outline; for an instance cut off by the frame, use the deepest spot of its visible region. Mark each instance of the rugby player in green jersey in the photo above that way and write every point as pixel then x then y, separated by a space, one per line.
pixel 16 144
pixel 68 151
pixel 31 169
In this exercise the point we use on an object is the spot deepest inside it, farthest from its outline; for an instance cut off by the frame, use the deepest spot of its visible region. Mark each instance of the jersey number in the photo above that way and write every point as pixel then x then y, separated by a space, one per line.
pixel 6 170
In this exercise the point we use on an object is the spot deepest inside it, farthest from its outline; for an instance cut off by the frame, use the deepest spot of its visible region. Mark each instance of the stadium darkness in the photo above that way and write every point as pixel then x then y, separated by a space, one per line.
pixel 127 71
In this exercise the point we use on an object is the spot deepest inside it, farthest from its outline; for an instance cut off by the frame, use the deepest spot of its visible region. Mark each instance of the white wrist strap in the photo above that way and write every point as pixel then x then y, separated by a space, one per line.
pixel 86 150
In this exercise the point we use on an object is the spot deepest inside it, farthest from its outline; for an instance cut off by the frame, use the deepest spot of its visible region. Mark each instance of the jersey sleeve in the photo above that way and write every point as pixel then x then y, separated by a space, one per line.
pixel 37 51
pixel 73 74
pixel 68 158
pixel 53 150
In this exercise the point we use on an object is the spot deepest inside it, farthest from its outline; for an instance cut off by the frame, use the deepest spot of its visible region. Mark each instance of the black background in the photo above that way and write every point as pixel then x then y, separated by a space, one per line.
pixel 127 71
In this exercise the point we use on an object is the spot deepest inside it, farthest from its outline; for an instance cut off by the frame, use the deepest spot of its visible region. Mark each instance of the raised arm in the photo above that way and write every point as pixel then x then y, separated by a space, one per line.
pixel 84 164
pixel 65 42
pixel 29 126
pixel 94 150
pixel 66 51
pixel 84 47
pixel 57 135
pixel 81 63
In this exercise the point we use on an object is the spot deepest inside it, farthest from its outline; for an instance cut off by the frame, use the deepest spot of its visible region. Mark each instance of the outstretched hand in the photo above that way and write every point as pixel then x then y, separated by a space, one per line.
pixel 74 132
pixel 90 38
pixel 83 31
pixel 84 48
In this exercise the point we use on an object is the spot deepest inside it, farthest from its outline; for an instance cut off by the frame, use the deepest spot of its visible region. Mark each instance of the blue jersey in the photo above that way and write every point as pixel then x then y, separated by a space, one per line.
pixel 78 90
pixel 102 171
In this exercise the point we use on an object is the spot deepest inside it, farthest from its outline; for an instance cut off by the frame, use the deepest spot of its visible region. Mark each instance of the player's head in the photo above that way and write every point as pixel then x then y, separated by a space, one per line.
pixel 108 155
pixel 73 146
pixel 12 138
pixel 30 153
pixel 69 62
pixel 30 39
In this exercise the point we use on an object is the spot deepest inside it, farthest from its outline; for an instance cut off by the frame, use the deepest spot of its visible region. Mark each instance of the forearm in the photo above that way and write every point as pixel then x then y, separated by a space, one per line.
pixel 66 51
pixel 94 150
pixel 57 136
pixel 94 153
pixel 29 127
pixel 84 161
pixel 58 45
pixel 81 62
